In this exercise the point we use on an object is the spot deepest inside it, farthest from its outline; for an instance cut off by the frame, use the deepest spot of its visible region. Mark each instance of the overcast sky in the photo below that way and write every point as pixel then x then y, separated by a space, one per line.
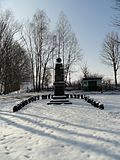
pixel 91 20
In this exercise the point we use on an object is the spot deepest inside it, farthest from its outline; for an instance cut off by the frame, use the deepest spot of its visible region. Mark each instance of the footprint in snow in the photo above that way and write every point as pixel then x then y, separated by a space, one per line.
pixel 29 137
pixel 21 137
pixel 29 149
pixel 6 148
pixel 2 139
pixel 7 152
pixel 27 156
pixel 82 151
pixel 88 155
pixel 5 135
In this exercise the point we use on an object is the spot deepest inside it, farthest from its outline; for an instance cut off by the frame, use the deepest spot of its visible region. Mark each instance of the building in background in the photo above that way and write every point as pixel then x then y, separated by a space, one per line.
pixel 92 84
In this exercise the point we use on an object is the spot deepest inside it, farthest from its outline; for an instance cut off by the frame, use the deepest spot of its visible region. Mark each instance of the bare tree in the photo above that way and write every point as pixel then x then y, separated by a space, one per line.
pixel 68 46
pixel 73 55
pixel 111 52
pixel 48 77
pixel 50 47
pixel 16 68
pixel 39 44
pixel 107 84
pixel 85 70
pixel 8 29
pixel 27 37
pixel 63 34
pixel 40 28
pixel 11 70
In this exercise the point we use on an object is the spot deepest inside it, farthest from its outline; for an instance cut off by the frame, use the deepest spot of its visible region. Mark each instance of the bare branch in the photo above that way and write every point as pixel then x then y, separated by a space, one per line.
pixel 111 52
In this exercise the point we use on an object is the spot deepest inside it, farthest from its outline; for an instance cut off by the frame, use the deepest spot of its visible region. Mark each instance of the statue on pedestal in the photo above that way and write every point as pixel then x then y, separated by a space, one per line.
pixel 59 85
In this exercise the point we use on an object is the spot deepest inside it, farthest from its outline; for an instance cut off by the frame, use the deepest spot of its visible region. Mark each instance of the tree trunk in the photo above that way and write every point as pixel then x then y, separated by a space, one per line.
pixel 43 77
pixel 115 74
pixel 33 77
pixel 40 71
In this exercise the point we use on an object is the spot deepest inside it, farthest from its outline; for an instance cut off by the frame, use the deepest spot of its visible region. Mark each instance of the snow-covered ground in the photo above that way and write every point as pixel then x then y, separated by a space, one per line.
pixel 60 132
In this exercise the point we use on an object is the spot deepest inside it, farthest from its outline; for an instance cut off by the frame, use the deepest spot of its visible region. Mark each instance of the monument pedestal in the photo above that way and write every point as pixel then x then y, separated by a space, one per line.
pixel 59 100
pixel 59 85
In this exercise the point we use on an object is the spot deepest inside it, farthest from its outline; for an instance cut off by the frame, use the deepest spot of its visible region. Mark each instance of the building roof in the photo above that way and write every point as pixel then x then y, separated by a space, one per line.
pixel 92 78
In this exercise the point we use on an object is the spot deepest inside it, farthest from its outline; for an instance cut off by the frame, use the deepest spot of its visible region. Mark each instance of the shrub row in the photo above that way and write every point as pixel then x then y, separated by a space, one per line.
pixel 25 102
pixel 49 96
pixel 29 100
pixel 96 104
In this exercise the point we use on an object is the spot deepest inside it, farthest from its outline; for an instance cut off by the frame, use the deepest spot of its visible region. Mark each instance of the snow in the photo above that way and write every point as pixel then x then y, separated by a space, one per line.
pixel 77 131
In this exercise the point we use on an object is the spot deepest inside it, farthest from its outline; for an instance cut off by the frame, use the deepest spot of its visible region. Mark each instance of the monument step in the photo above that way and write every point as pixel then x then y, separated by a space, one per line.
pixel 59 97
pixel 59 102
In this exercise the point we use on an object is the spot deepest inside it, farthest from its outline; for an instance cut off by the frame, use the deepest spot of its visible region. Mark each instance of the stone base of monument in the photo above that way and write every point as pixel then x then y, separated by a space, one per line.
pixel 59 100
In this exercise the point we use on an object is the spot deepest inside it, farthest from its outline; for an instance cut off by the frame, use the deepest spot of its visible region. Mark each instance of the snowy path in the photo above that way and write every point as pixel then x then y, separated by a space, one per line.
pixel 58 132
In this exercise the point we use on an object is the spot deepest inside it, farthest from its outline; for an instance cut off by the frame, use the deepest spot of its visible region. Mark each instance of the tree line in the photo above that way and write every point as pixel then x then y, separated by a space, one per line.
pixel 28 51
pixel 14 62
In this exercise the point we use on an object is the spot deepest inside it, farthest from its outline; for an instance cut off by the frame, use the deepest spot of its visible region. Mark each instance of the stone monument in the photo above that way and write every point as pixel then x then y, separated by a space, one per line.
pixel 59 85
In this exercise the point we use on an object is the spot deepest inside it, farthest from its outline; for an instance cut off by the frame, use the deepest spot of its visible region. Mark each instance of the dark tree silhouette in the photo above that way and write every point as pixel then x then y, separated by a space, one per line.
pixel 111 52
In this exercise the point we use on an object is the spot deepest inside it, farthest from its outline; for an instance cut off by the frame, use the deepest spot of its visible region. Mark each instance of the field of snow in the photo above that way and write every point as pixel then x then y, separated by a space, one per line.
pixel 60 132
